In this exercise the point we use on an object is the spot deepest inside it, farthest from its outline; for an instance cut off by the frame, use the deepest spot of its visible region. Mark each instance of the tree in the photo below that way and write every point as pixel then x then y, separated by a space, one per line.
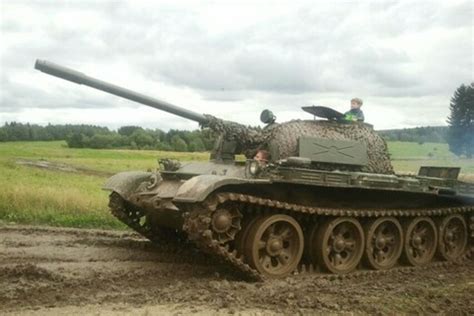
pixel 128 130
pixel 178 144
pixel 3 135
pixel 142 138
pixel 75 140
pixel 461 121
pixel 99 141
pixel 196 145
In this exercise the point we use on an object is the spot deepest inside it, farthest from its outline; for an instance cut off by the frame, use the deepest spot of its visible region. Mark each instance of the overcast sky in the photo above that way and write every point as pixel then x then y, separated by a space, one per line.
pixel 234 59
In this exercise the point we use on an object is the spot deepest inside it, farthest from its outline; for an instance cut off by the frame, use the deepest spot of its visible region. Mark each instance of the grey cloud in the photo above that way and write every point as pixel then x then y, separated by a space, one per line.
pixel 17 96
pixel 280 60
pixel 371 65
pixel 458 15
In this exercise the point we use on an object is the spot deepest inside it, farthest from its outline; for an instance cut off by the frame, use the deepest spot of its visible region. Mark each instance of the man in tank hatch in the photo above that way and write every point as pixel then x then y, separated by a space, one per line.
pixel 262 156
pixel 355 114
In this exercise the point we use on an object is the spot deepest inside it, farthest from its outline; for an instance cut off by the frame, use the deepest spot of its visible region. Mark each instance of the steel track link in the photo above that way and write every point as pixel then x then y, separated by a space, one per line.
pixel 131 217
pixel 198 219
pixel 196 224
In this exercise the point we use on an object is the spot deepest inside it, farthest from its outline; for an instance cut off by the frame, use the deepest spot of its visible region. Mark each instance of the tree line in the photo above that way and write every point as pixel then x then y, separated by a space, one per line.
pixel 426 134
pixel 135 137
pixel 90 136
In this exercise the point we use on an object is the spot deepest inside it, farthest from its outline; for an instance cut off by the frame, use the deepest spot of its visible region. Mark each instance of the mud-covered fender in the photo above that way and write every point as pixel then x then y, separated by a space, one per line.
pixel 125 183
pixel 198 188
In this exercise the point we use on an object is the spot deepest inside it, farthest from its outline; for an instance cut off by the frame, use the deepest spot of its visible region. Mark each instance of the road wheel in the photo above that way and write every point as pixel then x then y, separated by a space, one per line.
pixel 274 245
pixel 384 243
pixel 452 237
pixel 339 245
pixel 421 240
pixel 241 237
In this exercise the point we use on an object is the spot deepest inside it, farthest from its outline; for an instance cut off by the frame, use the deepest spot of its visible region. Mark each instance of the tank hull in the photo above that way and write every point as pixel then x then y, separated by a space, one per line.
pixel 230 216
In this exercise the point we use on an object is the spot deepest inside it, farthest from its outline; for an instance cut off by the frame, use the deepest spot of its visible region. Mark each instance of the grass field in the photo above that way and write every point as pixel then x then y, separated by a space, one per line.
pixel 43 196
pixel 408 157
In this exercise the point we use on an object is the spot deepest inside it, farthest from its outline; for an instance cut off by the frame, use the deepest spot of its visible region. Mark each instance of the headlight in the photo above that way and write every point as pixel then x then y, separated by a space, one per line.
pixel 254 167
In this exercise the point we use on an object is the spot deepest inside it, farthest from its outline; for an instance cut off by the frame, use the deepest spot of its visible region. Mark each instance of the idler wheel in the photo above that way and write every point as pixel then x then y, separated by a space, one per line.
pixel 274 245
pixel 452 237
pixel 338 245
pixel 421 240
pixel 384 243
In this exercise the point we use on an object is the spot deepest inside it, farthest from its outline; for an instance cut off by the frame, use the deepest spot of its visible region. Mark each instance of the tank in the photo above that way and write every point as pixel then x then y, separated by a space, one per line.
pixel 323 199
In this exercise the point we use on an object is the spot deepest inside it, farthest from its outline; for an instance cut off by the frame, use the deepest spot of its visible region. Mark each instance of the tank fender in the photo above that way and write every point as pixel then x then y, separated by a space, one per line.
pixel 126 183
pixel 198 188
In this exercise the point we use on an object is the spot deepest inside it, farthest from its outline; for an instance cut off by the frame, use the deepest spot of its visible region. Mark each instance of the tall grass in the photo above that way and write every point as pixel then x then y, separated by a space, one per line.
pixel 39 196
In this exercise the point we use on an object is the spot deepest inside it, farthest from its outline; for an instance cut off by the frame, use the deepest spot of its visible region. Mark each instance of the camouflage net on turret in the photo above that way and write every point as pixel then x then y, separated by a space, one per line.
pixel 246 136
pixel 286 135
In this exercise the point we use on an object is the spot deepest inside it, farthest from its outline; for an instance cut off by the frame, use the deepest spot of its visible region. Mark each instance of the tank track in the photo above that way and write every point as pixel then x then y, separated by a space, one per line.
pixel 133 218
pixel 198 227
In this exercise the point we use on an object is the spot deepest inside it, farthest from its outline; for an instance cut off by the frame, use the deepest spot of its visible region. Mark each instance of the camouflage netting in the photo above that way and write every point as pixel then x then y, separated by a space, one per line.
pixel 247 136
pixel 286 136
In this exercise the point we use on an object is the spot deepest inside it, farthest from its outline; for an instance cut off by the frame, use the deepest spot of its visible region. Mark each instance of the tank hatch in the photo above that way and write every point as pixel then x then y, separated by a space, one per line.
pixel 324 112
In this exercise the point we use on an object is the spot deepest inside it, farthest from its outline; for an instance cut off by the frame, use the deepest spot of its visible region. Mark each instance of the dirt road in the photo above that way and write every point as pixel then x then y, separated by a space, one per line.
pixel 71 271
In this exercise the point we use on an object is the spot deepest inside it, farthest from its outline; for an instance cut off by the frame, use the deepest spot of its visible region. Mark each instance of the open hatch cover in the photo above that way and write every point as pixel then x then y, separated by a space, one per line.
pixel 324 112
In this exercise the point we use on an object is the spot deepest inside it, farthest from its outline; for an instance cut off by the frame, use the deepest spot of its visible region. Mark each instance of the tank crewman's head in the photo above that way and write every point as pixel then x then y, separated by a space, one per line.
pixel 262 156
pixel 356 103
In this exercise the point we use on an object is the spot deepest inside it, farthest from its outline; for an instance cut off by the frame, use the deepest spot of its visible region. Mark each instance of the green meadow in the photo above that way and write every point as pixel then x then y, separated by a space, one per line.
pixel 408 157
pixel 74 199
pixel 49 196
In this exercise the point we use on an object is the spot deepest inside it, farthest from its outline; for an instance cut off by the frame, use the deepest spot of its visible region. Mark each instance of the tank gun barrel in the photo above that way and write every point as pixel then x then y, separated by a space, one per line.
pixel 80 78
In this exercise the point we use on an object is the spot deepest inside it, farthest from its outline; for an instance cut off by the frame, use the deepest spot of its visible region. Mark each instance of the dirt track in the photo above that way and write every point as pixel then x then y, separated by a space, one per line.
pixel 71 271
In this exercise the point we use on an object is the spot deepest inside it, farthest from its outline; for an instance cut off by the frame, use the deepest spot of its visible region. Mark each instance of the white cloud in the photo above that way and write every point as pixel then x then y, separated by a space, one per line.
pixel 233 59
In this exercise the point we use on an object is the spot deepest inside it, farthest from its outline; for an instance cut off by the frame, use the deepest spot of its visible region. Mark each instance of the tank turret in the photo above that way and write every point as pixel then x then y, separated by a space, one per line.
pixel 330 145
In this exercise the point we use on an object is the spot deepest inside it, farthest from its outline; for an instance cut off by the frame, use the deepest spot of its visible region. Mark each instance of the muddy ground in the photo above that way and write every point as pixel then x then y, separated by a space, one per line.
pixel 63 167
pixel 72 271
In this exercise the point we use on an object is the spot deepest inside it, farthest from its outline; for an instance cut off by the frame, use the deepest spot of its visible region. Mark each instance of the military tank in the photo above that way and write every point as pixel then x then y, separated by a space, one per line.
pixel 326 197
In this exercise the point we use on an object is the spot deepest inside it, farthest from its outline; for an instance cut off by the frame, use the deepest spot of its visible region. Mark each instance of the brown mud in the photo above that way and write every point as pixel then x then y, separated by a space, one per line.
pixel 63 167
pixel 71 271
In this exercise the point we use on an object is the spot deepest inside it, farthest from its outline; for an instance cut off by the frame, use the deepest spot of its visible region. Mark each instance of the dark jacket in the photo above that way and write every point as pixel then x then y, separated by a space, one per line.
pixel 354 115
